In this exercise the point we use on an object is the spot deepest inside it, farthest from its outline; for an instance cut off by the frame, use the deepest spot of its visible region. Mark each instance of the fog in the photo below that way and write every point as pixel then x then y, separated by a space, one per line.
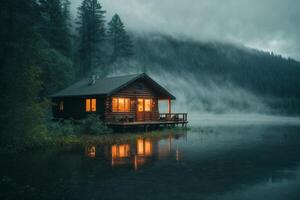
pixel 197 96
pixel 209 119
pixel 270 25
pixel 211 103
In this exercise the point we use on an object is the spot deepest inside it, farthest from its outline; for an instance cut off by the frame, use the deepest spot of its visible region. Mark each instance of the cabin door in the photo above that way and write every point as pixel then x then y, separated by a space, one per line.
pixel 140 113
pixel 144 109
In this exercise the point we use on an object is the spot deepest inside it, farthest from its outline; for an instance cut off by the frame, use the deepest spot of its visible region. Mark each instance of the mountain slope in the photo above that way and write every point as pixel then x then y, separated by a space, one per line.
pixel 212 73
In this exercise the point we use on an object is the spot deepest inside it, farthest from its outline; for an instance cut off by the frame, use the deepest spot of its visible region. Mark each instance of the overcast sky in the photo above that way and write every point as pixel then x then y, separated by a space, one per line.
pixel 271 25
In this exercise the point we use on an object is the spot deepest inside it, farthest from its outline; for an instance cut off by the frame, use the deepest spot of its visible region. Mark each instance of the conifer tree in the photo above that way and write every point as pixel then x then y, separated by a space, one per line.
pixel 91 36
pixel 55 26
pixel 19 75
pixel 119 39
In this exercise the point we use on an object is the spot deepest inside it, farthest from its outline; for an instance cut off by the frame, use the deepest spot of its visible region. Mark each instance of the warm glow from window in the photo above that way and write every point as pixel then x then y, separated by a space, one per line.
pixel 144 147
pixel 90 105
pixel 140 105
pixel 93 105
pixel 124 150
pixel 120 151
pixel 140 146
pixel 148 148
pixel 114 151
pixel 120 104
pixel 147 105
pixel 91 151
pixel 61 105
pixel 87 105
pixel 127 105
pixel 115 105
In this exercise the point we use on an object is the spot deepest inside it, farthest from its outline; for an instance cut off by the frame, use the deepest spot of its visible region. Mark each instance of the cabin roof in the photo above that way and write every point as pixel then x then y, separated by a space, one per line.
pixel 109 86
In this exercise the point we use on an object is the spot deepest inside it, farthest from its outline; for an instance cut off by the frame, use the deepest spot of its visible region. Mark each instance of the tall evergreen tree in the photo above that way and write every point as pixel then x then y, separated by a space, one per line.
pixel 66 9
pixel 119 39
pixel 55 26
pixel 19 76
pixel 91 33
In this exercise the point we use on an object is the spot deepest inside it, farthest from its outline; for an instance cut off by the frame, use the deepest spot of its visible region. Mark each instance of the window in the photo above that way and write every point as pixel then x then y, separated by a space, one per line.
pixel 120 104
pixel 61 105
pixel 148 105
pixel 140 105
pixel 93 105
pixel 90 105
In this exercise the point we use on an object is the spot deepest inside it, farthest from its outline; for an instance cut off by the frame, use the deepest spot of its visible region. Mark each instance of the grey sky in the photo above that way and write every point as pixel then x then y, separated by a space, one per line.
pixel 271 25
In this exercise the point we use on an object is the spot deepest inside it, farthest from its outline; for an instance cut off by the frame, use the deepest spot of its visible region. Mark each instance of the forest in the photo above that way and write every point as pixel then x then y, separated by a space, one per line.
pixel 40 54
pixel 43 50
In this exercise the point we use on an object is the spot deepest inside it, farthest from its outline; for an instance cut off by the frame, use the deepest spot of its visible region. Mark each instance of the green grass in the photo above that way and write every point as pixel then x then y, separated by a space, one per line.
pixel 114 138
pixel 46 140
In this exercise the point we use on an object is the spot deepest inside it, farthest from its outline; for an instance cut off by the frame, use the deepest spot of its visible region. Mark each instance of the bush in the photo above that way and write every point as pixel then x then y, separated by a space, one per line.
pixel 93 125
pixel 64 127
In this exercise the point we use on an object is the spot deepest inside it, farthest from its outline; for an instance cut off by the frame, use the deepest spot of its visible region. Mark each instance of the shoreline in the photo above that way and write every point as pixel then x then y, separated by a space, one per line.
pixel 37 143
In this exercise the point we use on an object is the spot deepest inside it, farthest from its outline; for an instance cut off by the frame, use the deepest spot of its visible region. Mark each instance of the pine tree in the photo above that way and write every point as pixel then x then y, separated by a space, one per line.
pixel 55 26
pixel 19 75
pixel 119 39
pixel 92 34
pixel 66 9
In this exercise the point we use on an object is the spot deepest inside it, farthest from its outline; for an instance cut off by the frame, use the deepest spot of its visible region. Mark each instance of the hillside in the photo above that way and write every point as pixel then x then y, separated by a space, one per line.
pixel 218 77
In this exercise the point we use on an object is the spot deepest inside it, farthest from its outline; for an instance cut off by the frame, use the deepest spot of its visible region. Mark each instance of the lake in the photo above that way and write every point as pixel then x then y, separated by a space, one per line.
pixel 237 161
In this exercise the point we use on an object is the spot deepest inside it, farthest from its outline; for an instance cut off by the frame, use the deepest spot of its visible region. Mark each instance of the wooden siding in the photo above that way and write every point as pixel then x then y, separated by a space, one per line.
pixel 136 90
pixel 74 107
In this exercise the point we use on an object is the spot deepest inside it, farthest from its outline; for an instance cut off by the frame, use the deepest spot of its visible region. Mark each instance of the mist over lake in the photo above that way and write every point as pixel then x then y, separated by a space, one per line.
pixel 234 160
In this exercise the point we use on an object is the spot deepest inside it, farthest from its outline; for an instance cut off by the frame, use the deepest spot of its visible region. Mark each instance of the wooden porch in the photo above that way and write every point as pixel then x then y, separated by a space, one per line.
pixel 165 120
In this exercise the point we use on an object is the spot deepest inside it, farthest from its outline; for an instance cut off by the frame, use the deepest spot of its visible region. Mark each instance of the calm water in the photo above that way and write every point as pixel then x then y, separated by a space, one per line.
pixel 214 162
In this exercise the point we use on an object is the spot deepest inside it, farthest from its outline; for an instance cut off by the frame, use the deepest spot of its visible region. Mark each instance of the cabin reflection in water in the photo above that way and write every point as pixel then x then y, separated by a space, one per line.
pixel 137 153
pixel 120 154
pixel 144 147
pixel 91 151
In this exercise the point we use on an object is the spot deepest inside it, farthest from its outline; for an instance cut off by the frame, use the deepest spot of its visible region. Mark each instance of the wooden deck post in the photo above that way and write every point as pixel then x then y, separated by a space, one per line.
pixel 169 105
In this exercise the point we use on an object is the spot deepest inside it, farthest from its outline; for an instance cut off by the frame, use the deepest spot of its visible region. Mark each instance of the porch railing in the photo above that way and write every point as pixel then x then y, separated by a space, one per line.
pixel 173 117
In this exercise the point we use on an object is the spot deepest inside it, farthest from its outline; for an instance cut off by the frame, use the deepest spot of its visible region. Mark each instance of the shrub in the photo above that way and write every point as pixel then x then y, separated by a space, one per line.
pixel 64 127
pixel 93 125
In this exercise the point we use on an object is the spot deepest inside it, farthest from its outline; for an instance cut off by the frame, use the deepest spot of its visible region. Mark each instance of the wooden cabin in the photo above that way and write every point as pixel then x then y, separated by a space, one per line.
pixel 123 100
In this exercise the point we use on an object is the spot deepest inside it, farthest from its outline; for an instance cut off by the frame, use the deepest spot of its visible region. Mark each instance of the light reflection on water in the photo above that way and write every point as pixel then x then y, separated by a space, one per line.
pixel 137 153
pixel 214 162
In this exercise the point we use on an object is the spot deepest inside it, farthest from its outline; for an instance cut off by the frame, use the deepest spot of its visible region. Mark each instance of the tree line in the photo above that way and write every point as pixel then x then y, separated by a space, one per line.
pixel 40 54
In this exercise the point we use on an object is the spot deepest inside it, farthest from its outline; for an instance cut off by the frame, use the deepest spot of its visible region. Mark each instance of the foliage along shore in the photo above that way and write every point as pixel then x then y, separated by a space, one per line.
pixel 68 133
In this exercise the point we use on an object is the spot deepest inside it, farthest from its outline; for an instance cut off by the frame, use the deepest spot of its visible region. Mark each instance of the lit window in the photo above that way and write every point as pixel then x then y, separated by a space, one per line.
pixel 127 105
pixel 140 105
pixel 93 105
pixel 115 105
pixel 90 105
pixel 61 105
pixel 147 105
pixel 120 104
